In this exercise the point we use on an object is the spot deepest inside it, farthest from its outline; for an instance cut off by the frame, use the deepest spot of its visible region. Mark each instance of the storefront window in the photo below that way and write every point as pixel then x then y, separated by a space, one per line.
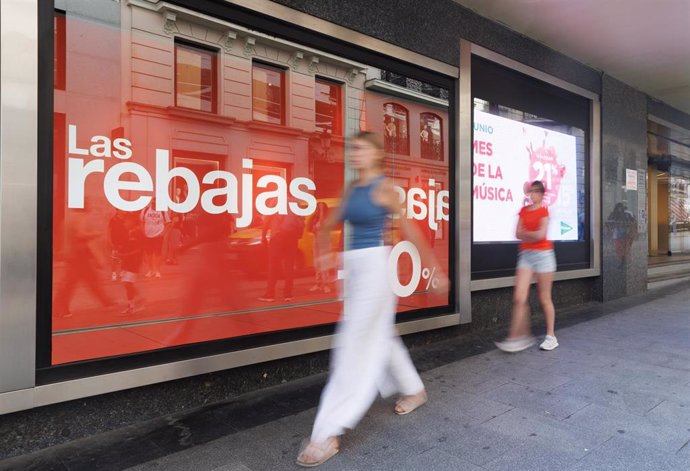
pixel 195 77
pixel 165 221
pixel 431 136
pixel 268 93
pixel 526 130
pixel 396 129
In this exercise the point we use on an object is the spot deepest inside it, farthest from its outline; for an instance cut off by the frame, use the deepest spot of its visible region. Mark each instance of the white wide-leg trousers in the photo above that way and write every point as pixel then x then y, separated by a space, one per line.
pixel 368 357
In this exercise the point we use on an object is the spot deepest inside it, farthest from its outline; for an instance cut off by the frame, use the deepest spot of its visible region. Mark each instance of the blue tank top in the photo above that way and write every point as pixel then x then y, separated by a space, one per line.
pixel 366 217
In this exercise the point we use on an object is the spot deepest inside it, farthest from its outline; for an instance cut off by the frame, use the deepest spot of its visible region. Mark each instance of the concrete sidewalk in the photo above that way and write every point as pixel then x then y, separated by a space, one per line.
pixel 614 396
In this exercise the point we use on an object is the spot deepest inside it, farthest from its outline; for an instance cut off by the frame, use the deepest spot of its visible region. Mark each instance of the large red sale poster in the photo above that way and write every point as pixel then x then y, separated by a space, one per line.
pixel 180 156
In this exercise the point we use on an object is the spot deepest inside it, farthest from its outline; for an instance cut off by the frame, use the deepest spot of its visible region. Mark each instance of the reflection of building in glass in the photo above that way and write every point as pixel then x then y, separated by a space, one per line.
pixel 224 117
pixel 195 77
pixel 396 129
pixel 268 93
pixel 431 136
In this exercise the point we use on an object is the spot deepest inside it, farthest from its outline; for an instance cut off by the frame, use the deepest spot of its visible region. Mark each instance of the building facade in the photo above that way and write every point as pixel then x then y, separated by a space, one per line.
pixel 157 147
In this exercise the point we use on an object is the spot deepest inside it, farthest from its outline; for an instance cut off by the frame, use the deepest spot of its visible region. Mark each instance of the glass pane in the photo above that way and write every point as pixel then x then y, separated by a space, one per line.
pixel 431 137
pixel 513 148
pixel 172 228
pixel 267 94
pixel 328 108
pixel 194 78
pixel 397 140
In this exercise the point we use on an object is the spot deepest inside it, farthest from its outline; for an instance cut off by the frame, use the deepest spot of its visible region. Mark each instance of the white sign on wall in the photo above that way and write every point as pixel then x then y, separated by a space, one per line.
pixel 630 179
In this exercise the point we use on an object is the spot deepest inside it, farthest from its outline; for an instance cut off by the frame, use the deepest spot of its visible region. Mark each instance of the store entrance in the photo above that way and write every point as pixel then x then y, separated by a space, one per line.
pixel 658 211
pixel 668 203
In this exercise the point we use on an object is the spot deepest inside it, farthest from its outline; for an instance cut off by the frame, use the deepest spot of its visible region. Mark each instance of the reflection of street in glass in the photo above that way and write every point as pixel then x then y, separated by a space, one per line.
pixel 155 225
pixel 209 271
pixel 173 237
pixel 215 286
pixel 210 278
pixel 82 265
pixel 285 231
pixel 622 228
pixel 324 275
pixel 131 249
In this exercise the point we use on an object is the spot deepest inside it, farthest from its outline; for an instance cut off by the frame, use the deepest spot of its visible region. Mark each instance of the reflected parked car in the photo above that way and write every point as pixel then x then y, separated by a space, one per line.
pixel 251 254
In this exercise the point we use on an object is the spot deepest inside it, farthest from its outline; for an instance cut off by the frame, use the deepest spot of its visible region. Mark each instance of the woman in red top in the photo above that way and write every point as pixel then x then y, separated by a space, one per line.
pixel 535 256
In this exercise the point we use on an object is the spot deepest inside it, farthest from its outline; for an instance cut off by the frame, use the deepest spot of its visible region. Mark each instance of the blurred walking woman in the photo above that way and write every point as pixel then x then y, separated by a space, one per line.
pixel 535 257
pixel 368 357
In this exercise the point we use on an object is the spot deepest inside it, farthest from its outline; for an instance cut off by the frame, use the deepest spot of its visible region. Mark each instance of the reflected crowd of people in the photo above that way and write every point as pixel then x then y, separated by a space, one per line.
pixel 188 262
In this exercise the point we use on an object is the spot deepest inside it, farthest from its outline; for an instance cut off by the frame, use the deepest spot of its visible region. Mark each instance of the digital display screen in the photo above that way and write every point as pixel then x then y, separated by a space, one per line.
pixel 507 156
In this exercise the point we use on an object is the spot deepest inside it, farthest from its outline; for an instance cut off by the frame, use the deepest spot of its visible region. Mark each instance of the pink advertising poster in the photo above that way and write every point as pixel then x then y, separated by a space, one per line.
pixel 508 156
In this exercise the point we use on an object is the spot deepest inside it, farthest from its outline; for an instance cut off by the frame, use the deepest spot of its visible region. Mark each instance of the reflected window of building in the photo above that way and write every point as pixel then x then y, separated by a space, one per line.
pixel 396 129
pixel 328 110
pixel 268 93
pixel 195 77
pixel 430 136
pixel 60 42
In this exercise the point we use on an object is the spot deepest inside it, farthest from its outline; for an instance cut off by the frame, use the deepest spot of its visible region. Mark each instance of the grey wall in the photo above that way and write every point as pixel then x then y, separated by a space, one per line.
pixel 623 146
pixel 492 308
pixel 434 28
pixel 668 113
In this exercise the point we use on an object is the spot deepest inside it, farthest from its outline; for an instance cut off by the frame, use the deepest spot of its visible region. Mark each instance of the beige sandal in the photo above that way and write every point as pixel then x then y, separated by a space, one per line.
pixel 314 454
pixel 407 404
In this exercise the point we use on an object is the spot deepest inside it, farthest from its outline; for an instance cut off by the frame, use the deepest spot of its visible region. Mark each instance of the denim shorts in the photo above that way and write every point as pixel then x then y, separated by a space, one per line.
pixel 539 261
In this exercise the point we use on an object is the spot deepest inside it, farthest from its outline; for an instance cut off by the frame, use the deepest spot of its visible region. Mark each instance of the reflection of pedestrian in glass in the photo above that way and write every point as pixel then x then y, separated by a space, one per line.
pixel 368 356
pixel 81 264
pixel 173 237
pixel 535 256
pixel 117 235
pixel 208 271
pixel 623 230
pixel 285 231
pixel 322 273
pixel 131 251
pixel 425 143
pixel 155 225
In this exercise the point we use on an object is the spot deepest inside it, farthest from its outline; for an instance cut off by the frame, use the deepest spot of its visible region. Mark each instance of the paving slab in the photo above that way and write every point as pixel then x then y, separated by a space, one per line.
pixel 668 438
pixel 614 396
pixel 622 454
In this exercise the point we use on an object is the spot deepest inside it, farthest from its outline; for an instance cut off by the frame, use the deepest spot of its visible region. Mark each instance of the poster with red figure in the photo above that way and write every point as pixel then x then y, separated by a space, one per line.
pixel 507 156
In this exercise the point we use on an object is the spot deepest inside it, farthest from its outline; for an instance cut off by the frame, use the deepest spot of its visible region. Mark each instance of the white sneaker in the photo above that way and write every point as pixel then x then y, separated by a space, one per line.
pixel 517 344
pixel 550 342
